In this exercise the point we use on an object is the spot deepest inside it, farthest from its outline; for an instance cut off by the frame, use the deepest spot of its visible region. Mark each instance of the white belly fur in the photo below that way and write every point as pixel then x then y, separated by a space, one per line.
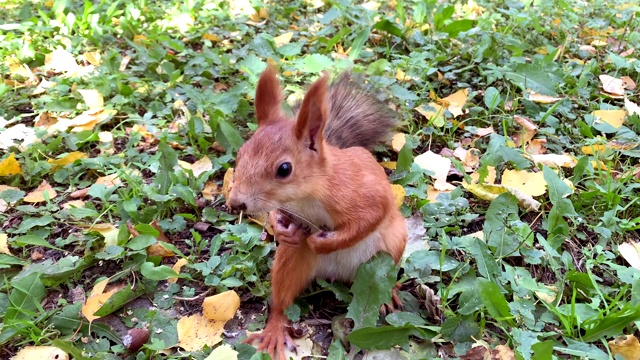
pixel 343 264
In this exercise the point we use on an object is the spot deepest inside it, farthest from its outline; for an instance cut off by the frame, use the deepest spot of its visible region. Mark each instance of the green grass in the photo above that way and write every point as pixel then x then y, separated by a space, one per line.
pixel 178 80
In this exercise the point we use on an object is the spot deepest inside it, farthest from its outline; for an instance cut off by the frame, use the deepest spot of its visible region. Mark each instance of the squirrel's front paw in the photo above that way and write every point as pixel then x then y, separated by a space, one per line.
pixel 286 231
pixel 320 242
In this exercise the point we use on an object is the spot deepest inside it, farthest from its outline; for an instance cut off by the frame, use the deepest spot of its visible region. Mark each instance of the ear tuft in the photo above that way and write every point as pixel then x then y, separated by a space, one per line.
pixel 313 114
pixel 268 97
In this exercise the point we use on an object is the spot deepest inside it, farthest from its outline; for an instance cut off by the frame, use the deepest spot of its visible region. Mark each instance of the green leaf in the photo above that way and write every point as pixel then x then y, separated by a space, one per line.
pixel 371 289
pixel 501 215
pixel 119 299
pixel 337 351
pixel 401 319
pixel 315 63
pixel 488 265
pixel 158 273
pixel 388 27
pixel 558 189
pixel 358 43
pixel 11 195
pixel 383 337
pixel 611 324
pixel 528 76
pixel 32 240
pixel 456 27
pixel 494 301
pixel 491 98
pixel 141 242
pixel 69 320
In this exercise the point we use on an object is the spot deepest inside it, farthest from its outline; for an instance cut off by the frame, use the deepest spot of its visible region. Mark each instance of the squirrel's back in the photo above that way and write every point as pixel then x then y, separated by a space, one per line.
pixel 356 118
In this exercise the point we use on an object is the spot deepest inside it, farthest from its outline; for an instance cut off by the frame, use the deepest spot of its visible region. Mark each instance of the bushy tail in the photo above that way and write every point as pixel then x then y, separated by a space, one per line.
pixel 356 118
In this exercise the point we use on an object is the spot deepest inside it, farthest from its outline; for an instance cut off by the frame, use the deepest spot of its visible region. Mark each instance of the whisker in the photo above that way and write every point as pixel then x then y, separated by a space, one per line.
pixel 290 212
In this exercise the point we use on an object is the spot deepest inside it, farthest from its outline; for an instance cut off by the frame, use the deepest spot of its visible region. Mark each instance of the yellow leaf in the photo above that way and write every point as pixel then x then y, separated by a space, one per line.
pixel 598 43
pixel 391 165
pixel 227 182
pixel 543 99
pixel 67 159
pixel 485 131
pixel 93 57
pixel 283 39
pixel 489 179
pixel 210 189
pixel 612 85
pixel 490 192
pixel 42 192
pixel 196 331
pixel 433 111
pixel 456 102
pixel 631 107
pixel 4 244
pixel 432 193
pixel 554 160
pixel 108 231
pixel 548 297
pixel 223 352
pixel 97 298
pixel 626 346
pixel 398 141
pixel 614 118
pixel 10 166
pixel 92 98
pixel 73 204
pixel 221 307
pixel 177 267
pixel 530 183
pixel 41 353
pixel 201 166
pixel 139 39
pixel 594 149
pixel 630 251
pixel 437 164
pixel 399 193
pixel 211 37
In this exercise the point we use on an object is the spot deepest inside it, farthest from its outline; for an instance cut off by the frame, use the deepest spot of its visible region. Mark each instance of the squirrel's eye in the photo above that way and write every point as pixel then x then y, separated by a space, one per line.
pixel 284 170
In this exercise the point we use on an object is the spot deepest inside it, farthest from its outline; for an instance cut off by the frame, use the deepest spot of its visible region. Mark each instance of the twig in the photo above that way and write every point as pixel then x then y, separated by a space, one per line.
pixel 193 298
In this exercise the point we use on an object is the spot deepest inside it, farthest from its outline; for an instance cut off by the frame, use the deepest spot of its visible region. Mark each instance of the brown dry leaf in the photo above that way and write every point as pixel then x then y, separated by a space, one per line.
pixel 631 107
pixel 4 244
pixel 10 166
pixel 485 131
pixel 41 353
pixel 612 85
pixel 398 193
pixel 630 251
pixel 45 120
pixel 456 102
pixel 588 48
pixel 196 331
pixel 529 130
pixel 109 180
pixel 543 99
pixel 73 204
pixel 177 267
pixel 283 39
pixel 629 84
pixel 61 61
pixel 470 158
pixel 221 307
pixel 67 159
pixel 398 141
pixel 159 250
pixel 530 183
pixel 432 111
pixel 537 146
pixel 210 189
pixel 502 352
pixel 614 118
pixel 437 164
pixel 92 98
pixel 554 160
pixel 40 193
pixel 626 346
pixel 227 182
pixel 97 298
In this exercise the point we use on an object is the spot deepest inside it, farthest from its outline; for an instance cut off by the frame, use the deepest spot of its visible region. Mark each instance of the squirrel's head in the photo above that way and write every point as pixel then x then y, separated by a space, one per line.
pixel 284 160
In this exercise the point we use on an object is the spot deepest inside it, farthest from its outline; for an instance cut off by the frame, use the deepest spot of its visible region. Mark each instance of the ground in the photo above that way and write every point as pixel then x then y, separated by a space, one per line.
pixel 515 165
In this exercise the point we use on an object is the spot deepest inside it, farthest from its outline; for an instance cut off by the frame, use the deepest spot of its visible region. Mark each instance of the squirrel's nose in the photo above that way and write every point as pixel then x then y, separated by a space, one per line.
pixel 235 204
pixel 239 207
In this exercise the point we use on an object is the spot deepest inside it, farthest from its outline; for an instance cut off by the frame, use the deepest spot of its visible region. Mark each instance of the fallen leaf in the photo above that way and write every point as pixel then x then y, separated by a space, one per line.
pixel 630 251
pixel 93 58
pixel 437 164
pixel 73 204
pixel 489 179
pixel 97 298
pixel 398 141
pixel 626 346
pixel 221 307
pixel 210 189
pixel 38 195
pixel 529 130
pixel 485 131
pixel 398 193
pixel 45 120
pixel 211 37
pixel 629 84
pixel 432 111
pixel 490 192
pixel 201 166
pixel 177 267
pixel 196 331
pixel 612 85
pixel 41 352
pixel 456 102
pixel 159 250
pixel 92 98
pixel 223 352
pixel 391 165
pixel 227 182
pixel 4 244
pixel 61 61
pixel 10 166
pixel 614 118
pixel 108 231
pixel 537 146
pixel 530 183
pixel 469 158
pixel 631 107
pixel 588 48
pixel 67 159
pixel 283 39
pixel 502 352
pixel 543 99
pixel 10 135
pixel 546 297
pixel 598 43
pixel 432 193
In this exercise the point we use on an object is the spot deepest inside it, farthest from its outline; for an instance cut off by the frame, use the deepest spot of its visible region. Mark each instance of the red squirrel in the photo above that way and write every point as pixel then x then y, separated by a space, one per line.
pixel 330 203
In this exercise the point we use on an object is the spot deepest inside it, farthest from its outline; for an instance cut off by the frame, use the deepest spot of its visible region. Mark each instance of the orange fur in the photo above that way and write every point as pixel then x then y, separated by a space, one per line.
pixel 334 211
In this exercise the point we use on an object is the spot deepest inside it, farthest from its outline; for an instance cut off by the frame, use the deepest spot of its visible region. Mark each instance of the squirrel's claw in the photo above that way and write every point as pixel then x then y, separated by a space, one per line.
pixel 273 342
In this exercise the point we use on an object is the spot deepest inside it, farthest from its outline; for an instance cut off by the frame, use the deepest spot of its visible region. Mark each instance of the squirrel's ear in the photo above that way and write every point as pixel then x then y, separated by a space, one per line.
pixel 268 97
pixel 313 114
